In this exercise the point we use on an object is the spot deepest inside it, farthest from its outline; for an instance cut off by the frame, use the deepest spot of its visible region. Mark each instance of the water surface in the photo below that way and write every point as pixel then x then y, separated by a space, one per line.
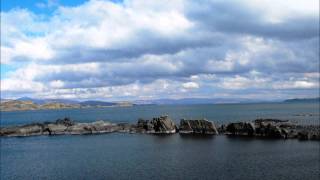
pixel 141 156
pixel 138 156
pixel 219 113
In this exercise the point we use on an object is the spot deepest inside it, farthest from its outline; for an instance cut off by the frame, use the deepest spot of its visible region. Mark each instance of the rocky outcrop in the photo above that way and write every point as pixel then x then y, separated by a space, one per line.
pixel 25 130
pixel 202 126
pixel 308 132
pixel 241 128
pixel 158 125
pixel 273 128
pixel 267 128
pixel 59 127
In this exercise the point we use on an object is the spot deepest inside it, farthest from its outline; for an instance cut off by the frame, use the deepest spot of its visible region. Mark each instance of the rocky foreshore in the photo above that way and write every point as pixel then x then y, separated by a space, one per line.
pixel 260 128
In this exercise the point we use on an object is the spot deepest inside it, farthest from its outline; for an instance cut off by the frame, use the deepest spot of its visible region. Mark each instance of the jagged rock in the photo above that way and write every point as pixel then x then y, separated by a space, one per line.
pixel 271 131
pixel 304 135
pixel 161 125
pixel 145 125
pixel 222 129
pixel 315 135
pixel 274 128
pixel 311 132
pixel 241 128
pixel 261 128
pixel 197 127
pixel 66 122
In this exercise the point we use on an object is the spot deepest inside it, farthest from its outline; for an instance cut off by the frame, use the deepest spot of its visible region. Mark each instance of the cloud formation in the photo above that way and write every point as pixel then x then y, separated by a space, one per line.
pixel 155 49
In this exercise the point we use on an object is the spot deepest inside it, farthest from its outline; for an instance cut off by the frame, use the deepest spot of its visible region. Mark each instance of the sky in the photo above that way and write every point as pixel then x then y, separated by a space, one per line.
pixel 140 50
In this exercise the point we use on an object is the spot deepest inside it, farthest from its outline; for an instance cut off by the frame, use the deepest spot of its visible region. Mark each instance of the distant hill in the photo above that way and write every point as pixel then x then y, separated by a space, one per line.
pixel 36 101
pixel 97 103
pixel 15 105
pixel 303 100
pixel 5 100
pixel 18 105
pixel 26 103
pixel 64 101
pixel 45 101
pixel 197 101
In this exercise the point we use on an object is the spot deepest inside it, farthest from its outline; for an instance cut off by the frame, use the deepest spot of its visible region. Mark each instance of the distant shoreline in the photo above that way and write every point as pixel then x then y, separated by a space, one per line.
pixel 29 106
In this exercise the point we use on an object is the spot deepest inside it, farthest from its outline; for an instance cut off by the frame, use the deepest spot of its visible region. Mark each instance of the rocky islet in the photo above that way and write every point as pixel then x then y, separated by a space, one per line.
pixel 259 128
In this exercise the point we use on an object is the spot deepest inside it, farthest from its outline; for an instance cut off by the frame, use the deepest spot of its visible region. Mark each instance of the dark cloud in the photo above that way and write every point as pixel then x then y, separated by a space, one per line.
pixel 236 17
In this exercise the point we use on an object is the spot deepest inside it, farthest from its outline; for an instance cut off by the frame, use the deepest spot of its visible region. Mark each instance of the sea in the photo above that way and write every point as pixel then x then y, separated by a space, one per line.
pixel 143 156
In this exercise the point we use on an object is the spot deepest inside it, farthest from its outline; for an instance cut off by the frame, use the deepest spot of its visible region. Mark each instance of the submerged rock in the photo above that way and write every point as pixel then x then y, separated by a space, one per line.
pixel 202 126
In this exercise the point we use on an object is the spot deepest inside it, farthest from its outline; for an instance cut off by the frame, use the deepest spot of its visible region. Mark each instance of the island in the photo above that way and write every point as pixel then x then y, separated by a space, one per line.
pixel 27 105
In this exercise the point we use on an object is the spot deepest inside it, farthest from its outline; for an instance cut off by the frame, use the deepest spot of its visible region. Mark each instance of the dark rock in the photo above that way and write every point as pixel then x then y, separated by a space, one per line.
pixel 274 128
pixel 163 124
pixel 66 122
pixel 222 129
pixel 145 125
pixel 271 131
pixel 197 127
pixel 241 128
pixel 304 135
pixel 270 128
pixel 310 132
pixel 159 125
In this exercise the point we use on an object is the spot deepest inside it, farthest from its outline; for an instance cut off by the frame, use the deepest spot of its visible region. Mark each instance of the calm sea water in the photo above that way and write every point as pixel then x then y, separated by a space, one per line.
pixel 140 156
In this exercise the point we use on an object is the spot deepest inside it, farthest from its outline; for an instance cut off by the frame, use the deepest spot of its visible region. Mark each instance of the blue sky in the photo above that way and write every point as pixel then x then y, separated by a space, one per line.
pixel 37 6
pixel 134 49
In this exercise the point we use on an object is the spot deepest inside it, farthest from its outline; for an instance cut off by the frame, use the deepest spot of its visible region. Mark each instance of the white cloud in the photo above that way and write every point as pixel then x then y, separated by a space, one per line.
pixel 95 24
pixel 279 11
pixel 57 84
pixel 161 49
pixel 190 85
pixel 299 84
pixel 239 82
pixel 20 85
